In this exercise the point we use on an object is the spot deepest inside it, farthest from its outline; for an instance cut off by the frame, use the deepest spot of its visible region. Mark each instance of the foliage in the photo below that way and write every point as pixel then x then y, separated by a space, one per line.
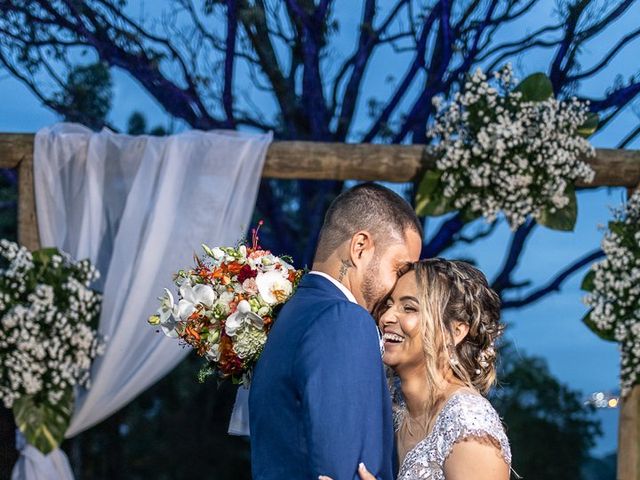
pixel 48 339
pixel 43 423
pixel 614 290
pixel 86 96
pixel 502 148
pixel 550 429
pixel 137 125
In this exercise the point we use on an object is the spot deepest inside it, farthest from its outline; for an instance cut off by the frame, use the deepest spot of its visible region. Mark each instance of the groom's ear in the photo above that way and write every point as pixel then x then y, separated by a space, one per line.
pixel 361 248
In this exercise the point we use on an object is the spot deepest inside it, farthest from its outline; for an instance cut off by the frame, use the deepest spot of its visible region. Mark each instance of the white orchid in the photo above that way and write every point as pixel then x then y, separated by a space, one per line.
pixel 192 296
pixel 217 253
pixel 243 315
pixel 274 286
pixel 166 315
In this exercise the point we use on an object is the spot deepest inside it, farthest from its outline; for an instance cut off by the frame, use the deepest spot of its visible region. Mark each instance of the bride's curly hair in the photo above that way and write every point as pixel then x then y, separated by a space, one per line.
pixel 455 290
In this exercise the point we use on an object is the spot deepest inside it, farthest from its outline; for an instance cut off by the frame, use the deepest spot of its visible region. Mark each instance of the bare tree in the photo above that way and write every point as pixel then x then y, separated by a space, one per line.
pixel 279 65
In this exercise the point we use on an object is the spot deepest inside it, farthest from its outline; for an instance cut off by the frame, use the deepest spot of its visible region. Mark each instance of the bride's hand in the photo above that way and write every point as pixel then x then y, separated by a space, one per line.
pixel 362 471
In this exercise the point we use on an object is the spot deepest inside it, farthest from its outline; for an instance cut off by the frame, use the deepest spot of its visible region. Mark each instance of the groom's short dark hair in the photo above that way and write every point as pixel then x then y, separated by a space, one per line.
pixel 370 207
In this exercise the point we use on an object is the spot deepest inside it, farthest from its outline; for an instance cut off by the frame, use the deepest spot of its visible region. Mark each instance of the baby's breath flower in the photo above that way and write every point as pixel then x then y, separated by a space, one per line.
pixel 501 154
pixel 615 297
pixel 46 341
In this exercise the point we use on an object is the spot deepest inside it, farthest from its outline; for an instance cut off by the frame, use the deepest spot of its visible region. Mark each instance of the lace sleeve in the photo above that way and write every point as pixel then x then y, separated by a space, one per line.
pixel 470 416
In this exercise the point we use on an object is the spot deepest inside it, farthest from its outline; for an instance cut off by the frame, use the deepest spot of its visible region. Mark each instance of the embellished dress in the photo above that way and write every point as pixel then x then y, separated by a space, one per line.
pixel 464 415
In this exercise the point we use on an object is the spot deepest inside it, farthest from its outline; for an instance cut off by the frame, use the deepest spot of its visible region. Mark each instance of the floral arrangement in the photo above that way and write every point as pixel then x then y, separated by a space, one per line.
pixel 48 338
pixel 502 147
pixel 227 305
pixel 614 290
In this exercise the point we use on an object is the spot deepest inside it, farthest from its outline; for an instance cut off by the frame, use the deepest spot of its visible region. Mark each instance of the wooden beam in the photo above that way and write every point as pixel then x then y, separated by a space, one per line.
pixel 339 161
pixel 14 147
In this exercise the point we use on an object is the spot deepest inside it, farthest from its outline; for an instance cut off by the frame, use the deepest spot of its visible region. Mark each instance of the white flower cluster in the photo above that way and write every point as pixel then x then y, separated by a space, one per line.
pixel 615 296
pixel 47 342
pixel 500 153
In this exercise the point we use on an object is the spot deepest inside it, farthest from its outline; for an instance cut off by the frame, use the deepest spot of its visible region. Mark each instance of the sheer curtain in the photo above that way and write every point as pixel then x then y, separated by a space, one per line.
pixel 139 208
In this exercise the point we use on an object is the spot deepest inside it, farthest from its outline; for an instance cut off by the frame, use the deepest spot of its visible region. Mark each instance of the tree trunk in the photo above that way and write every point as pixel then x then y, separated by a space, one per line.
pixel 8 452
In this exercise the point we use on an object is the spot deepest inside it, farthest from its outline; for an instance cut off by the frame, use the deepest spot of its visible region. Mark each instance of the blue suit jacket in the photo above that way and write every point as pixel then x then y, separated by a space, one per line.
pixel 319 402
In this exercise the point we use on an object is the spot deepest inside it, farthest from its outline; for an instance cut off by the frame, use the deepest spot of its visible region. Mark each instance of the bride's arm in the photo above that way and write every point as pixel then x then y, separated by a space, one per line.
pixel 475 458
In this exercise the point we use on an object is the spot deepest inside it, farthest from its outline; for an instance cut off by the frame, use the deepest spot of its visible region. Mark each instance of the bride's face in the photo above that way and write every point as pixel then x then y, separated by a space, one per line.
pixel 400 326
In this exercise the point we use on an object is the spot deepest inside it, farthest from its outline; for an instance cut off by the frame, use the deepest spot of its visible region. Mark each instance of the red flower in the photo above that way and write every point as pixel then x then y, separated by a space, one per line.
pixel 246 272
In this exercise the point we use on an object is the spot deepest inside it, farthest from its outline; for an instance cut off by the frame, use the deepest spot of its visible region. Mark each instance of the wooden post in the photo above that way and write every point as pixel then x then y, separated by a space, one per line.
pixel 19 155
pixel 27 224
pixel 629 437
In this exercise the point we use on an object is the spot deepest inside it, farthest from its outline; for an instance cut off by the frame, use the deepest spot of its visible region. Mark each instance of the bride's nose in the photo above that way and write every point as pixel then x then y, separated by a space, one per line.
pixel 388 317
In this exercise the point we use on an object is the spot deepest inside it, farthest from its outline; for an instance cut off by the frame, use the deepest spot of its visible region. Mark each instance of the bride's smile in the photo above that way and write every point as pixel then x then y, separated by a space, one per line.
pixel 400 325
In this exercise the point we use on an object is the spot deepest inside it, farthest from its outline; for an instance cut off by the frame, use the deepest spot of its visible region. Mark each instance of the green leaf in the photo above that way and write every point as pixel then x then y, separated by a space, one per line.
pixel 44 255
pixel 589 127
pixel 468 216
pixel 603 334
pixel 207 250
pixel 430 200
pixel 587 281
pixel 565 219
pixel 535 88
pixel 42 423
pixel 617 228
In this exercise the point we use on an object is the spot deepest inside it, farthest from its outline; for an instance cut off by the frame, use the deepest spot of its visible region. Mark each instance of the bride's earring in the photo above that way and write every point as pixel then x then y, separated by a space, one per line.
pixel 453 359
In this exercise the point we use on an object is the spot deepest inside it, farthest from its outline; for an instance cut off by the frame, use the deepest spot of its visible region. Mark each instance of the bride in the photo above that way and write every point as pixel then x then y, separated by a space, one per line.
pixel 439 327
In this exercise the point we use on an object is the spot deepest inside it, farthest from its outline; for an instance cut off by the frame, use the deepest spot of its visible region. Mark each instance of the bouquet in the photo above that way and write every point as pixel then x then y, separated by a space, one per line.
pixel 226 306
pixel 48 338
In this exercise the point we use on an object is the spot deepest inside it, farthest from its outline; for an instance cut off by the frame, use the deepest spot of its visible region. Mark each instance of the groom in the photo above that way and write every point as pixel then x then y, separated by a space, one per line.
pixel 319 402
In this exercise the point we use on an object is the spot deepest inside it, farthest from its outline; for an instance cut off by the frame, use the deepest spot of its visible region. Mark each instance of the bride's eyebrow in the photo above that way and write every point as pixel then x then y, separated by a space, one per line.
pixel 408 297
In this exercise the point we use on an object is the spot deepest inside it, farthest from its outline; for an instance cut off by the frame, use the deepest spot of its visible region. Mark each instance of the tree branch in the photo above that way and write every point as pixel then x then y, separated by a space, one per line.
pixel 605 61
pixel 443 238
pixel 555 284
pixel 417 64
pixel 518 240
pixel 230 49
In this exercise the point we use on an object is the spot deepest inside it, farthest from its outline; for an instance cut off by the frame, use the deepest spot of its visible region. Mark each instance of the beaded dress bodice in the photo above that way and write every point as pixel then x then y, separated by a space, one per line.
pixel 465 415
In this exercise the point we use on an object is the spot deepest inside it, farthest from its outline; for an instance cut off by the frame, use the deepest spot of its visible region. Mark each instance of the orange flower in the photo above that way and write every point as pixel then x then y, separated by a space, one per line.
pixel 292 275
pixel 234 268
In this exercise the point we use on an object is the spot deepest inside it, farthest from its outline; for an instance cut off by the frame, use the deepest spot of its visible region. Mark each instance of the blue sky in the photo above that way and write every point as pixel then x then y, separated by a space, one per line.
pixel 550 328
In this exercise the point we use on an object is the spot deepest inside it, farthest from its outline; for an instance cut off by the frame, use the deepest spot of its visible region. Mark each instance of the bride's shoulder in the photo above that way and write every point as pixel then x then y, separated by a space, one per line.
pixel 468 415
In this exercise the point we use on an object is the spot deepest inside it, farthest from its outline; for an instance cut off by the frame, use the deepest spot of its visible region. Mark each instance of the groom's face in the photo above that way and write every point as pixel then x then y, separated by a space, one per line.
pixel 381 274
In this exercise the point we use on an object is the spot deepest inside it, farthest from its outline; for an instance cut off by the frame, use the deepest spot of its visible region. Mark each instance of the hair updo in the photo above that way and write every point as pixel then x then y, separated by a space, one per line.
pixel 455 290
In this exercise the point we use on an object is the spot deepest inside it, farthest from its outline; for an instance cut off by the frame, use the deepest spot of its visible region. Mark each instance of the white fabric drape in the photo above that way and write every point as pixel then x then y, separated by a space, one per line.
pixel 139 207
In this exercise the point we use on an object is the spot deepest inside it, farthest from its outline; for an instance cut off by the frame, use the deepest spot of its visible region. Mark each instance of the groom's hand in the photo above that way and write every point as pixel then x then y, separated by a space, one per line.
pixel 362 471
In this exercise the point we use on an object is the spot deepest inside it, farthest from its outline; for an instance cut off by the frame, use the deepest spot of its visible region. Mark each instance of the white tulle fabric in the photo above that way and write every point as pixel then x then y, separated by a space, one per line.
pixel 138 207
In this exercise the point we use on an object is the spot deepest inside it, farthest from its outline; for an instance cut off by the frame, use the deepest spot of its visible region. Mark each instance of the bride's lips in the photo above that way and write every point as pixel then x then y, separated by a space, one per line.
pixel 392 338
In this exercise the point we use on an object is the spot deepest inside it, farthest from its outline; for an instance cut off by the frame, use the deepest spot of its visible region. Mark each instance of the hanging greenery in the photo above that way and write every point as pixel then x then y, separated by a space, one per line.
pixel 503 147
pixel 48 338
pixel 614 290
